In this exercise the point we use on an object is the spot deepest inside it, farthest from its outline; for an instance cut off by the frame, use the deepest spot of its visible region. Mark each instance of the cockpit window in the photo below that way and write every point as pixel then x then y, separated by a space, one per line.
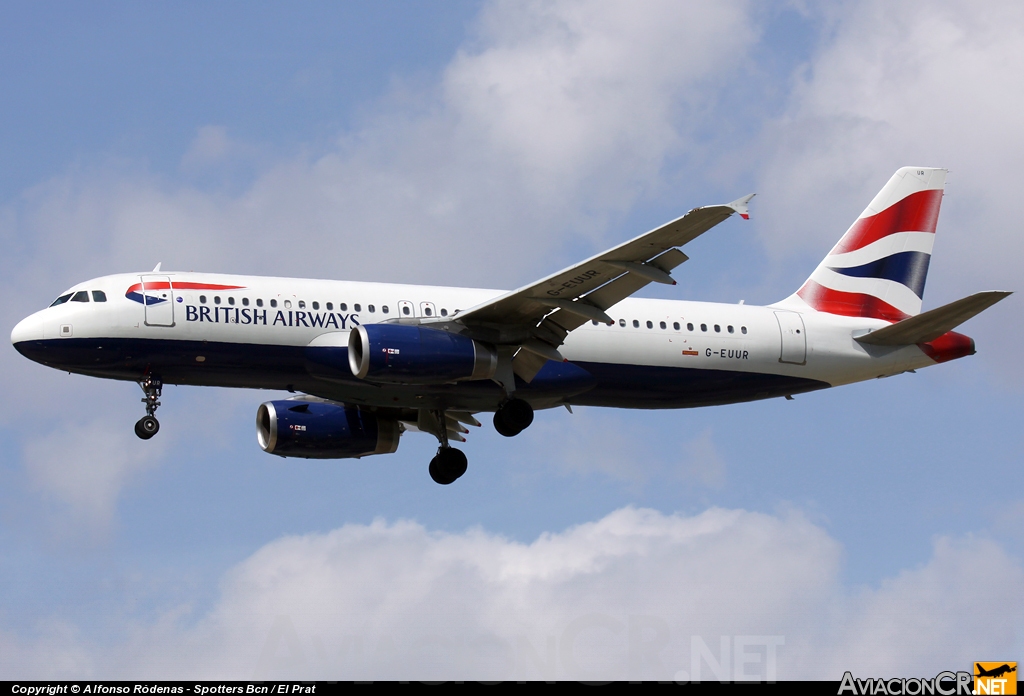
pixel 80 296
pixel 61 300
pixel 99 296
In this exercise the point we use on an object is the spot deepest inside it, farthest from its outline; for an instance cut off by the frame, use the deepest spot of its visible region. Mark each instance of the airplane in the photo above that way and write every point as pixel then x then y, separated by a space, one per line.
pixel 996 672
pixel 369 361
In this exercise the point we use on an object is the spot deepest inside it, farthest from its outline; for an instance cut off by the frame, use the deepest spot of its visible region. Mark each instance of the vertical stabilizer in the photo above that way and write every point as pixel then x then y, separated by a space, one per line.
pixel 878 269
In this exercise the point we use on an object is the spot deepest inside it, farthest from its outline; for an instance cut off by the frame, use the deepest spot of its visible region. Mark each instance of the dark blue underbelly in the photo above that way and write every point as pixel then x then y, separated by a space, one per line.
pixel 286 368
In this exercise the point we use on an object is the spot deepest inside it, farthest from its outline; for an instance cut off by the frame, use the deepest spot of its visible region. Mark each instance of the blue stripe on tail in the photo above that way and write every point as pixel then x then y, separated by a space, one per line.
pixel 908 267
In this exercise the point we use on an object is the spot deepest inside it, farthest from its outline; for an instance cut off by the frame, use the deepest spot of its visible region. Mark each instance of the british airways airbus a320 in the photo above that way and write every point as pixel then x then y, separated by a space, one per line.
pixel 374 360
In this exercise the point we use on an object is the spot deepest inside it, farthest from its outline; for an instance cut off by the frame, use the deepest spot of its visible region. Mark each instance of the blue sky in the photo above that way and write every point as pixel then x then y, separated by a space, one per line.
pixel 875 527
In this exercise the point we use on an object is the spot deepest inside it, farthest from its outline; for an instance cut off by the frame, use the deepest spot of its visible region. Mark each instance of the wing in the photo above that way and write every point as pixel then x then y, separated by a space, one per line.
pixel 533 321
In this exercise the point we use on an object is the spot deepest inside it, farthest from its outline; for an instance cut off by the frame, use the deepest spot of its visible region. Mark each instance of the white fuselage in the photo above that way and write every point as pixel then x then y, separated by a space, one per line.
pixel 248 331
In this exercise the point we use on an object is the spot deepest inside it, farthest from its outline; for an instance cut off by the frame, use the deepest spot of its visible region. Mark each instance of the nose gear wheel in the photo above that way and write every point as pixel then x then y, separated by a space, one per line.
pixel 148 425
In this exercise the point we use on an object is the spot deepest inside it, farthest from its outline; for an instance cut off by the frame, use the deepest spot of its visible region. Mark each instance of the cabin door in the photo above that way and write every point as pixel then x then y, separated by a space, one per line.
pixel 794 338
pixel 158 300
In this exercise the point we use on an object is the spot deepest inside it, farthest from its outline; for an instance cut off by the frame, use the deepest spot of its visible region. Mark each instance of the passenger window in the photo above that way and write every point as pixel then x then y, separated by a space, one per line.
pixel 371 308
pixel 202 299
pixel 636 324
pixel 343 307
pixel 729 328
pixel 273 303
pixel 675 325
pixel 718 329
pixel 743 329
pixel 650 325
pixel 259 302
pixel 245 301
pixel 357 307
pixel 444 312
pixel 405 310
pixel 302 304
pixel 316 305
pixel 663 325
pixel 231 301
pixel 689 327
pixel 426 310
pixel 594 322
pixel 622 323
pixel 216 299
pixel 99 296
pixel 330 306
pixel 703 327
pixel 384 309
pixel 287 304
pixel 61 300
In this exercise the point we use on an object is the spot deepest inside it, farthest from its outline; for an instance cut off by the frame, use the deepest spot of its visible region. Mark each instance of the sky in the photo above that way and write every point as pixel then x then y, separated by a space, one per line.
pixel 877 527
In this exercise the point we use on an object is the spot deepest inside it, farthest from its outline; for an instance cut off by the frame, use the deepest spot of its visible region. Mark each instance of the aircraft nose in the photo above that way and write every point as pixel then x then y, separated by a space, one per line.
pixel 28 329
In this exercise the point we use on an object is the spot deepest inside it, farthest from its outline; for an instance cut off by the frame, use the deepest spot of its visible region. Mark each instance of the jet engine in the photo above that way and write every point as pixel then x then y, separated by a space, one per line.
pixel 319 430
pixel 402 354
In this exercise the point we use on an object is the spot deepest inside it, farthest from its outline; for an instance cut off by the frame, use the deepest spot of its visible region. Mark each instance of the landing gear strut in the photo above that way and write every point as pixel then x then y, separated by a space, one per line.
pixel 513 417
pixel 449 463
pixel 148 425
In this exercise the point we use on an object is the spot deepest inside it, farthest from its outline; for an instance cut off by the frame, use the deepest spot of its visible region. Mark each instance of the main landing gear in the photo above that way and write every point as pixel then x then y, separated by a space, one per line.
pixel 449 463
pixel 148 425
pixel 513 417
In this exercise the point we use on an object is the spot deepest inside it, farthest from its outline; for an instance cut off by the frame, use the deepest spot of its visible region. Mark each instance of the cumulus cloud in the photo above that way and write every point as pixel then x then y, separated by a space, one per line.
pixel 552 117
pixel 636 594
pixel 84 469
pixel 918 83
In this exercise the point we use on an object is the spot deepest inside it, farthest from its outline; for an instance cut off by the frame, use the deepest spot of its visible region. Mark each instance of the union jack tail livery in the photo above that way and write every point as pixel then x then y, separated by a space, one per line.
pixel 878 269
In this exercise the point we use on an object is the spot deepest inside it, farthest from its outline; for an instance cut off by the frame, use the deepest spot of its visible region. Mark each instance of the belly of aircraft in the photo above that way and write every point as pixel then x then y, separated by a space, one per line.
pixel 202 363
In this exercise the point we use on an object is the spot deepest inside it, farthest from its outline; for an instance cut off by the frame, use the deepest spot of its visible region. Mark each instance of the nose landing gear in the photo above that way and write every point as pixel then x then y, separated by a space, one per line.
pixel 148 425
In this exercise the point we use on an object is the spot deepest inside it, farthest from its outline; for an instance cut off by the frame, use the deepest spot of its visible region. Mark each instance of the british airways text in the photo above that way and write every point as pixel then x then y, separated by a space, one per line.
pixel 260 317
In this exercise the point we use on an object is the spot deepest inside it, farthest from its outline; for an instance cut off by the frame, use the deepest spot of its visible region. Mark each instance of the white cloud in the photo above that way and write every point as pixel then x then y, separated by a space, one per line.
pixel 628 596
pixel 84 468
pixel 555 116
pixel 928 83
pixel 966 601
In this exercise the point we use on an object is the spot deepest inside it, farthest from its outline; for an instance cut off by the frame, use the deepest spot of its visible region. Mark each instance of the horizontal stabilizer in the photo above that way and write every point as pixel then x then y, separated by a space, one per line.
pixel 933 323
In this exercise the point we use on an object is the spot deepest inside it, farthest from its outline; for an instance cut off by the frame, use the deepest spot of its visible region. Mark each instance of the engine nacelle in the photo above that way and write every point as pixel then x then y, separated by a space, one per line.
pixel 403 354
pixel 317 430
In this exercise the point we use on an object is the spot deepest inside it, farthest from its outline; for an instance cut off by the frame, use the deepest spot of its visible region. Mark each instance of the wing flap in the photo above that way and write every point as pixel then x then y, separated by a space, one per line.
pixel 929 325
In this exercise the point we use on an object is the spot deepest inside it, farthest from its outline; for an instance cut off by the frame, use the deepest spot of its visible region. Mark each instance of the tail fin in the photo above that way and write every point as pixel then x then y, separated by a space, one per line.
pixel 878 269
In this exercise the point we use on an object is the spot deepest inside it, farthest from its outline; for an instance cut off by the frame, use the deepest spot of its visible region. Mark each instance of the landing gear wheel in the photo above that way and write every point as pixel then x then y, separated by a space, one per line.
pixel 448 465
pixel 513 417
pixel 147 427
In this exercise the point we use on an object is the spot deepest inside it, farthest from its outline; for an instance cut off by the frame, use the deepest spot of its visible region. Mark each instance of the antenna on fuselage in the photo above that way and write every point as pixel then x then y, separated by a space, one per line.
pixel 156 269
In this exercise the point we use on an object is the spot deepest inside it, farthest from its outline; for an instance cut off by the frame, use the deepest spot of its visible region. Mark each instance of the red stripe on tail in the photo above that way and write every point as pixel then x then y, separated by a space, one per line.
pixel 918 212
pixel 848 304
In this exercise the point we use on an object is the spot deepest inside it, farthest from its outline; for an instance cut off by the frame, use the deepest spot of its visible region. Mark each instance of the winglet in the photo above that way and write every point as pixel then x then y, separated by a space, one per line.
pixel 740 205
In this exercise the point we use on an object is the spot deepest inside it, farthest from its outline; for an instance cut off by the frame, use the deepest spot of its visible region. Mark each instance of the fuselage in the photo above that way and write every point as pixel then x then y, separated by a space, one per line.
pixel 261 332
